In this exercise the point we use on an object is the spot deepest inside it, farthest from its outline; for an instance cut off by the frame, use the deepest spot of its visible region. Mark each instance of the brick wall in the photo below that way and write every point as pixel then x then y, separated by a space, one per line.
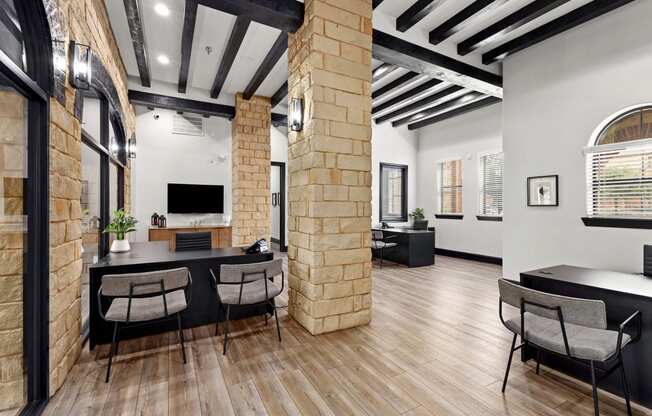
pixel 330 167
pixel 251 165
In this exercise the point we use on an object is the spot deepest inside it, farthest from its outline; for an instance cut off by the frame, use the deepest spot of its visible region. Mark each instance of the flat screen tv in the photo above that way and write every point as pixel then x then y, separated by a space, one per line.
pixel 195 199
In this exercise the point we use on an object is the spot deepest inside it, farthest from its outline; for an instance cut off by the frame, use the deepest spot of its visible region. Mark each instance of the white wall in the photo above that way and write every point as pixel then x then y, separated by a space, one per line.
pixel 392 145
pixel 164 157
pixel 463 137
pixel 556 94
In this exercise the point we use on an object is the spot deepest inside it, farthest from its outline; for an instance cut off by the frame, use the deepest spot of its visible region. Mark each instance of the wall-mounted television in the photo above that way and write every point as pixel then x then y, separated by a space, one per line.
pixel 186 198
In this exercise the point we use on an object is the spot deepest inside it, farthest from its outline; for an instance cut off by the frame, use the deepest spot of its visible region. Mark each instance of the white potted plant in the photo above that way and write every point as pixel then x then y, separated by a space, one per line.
pixel 121 225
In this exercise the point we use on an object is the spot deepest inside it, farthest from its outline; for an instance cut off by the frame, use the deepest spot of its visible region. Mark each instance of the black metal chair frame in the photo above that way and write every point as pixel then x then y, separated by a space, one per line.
pixel 216 282
pixel 118 326
pixel 382 249
pixel 590 364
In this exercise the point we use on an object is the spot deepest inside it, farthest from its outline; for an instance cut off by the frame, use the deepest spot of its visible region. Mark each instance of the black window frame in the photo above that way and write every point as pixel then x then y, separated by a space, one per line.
pixel 404 193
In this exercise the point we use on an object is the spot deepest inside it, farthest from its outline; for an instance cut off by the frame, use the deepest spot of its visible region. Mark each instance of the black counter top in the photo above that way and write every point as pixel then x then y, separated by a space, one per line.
pixel 403 230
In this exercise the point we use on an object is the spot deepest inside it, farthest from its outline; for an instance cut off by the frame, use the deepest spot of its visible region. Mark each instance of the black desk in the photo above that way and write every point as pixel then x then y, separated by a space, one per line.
pixel 623 294
pixel 151 256
pixel 416 248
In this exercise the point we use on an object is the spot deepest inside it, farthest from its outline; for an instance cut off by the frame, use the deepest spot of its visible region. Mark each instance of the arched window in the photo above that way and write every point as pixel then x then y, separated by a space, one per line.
pixel 619 169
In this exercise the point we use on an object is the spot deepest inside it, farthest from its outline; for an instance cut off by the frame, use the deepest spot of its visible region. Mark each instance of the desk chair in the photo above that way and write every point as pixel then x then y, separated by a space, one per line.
pixel 141 298
pixel 379 242
pixel 571 327
pixel 193 241
pixel 248 284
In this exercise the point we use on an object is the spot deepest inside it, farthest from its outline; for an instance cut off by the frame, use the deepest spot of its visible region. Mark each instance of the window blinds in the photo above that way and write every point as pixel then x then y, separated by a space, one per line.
pixel 450 189
pixel 620 181
pixel 491 180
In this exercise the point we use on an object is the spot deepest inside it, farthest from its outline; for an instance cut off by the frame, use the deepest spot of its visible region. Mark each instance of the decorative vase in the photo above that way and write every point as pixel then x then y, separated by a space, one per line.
pixel 120 246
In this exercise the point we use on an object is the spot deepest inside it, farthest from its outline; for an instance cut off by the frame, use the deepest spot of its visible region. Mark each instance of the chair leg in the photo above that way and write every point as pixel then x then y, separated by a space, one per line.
pixel 625 384
pixel 112 351
pixel 265 318
pixel 381 257
pixel 183 346
pixel 594 386
pixel 217 321
pixel 278 328
pixel 538 359
pixel 509 363
pixel 226 328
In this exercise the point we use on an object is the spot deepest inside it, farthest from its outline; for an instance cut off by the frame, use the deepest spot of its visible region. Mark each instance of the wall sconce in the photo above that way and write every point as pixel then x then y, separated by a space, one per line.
pixel 80 65
pixel 296 114
pixel 131 147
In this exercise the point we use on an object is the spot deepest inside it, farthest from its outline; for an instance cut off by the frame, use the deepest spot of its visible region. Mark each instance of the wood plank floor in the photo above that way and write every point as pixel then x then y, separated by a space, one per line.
pixel 435 347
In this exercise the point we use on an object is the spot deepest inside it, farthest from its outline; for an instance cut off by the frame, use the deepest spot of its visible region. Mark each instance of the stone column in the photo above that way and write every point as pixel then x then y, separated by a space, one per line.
pixel 330 167
pixel 251 160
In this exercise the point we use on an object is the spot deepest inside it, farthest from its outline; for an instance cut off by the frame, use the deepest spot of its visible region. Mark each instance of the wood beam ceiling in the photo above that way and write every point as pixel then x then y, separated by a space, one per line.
pixel 415 13
pixel 280 94
pixel 134 19
pixel 397 83
pixel 485 102
pixel 189 19
pixel 431 84
pixel 232 46
pixel 460 19
pixel 285 15
pixel 436 97
pixel 274 54
pixel 431 111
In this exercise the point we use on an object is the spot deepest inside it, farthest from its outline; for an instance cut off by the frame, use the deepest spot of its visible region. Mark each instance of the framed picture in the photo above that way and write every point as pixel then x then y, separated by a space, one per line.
pixel 543 191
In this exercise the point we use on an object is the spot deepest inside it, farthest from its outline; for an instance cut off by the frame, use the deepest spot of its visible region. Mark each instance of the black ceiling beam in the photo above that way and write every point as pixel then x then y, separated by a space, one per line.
pixel 232 46
pixel 519 18
pixel 390 49
pixel 280 94
pixel 393 84
pixel 431 111
pixel 431 83
pixel 420 103
pixel 415 13
pixel 285 15
pixel 189 19
pixel 568 21
pixel 457 22
pixel 152 101
pixel 134 19
pixel 376 3
pixel 485 102
pixel 382 71
pixel 274 54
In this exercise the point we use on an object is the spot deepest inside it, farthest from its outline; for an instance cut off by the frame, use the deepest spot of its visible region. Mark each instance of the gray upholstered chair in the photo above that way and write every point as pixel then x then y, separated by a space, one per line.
pixel 140 298
pixel 379 243
pixel 193 241
pixel 248 284
pixel 572 327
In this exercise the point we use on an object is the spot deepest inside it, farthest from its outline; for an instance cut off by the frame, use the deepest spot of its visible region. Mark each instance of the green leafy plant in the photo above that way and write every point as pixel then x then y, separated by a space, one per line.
pixel 417 214
pixel 121 224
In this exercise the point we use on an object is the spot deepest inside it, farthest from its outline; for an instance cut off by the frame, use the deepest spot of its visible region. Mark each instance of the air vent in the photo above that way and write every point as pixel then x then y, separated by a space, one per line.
pixel 188 125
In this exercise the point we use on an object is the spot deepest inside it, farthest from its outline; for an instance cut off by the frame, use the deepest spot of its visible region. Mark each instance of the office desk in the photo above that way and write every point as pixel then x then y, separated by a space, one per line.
pixel 144 257
pixel 623 293
pixel 416 248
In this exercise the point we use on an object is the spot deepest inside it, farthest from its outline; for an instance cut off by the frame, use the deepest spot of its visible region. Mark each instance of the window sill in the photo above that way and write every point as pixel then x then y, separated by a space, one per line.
pixel 618 222
pixel 449 216
pixel 489 218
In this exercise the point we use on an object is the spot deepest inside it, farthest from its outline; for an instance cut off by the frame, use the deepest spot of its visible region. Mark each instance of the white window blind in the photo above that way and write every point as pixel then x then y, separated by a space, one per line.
pixel 620 181
pixel 450 187
pixel 491 181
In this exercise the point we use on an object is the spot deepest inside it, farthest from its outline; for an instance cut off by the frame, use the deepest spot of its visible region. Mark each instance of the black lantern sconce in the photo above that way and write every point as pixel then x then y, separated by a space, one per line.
pixel 80 65
pixel 296 114
pixel 131 147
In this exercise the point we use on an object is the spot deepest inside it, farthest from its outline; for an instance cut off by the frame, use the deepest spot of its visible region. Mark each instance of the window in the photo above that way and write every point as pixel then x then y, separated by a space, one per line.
pixel 619 172
pixel 393 192
pixel 491 183
pixel 450 187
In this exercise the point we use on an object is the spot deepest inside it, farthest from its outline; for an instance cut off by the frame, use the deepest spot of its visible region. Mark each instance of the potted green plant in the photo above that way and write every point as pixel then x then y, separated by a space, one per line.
pixel 121 225
pixel 419 221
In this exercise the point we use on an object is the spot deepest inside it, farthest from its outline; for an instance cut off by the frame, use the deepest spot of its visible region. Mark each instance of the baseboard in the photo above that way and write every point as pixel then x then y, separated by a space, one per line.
pixel 469 256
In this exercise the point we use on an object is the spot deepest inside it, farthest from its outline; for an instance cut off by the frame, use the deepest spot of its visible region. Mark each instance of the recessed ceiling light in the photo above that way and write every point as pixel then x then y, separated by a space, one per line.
pixel 162 59
pixel 162 9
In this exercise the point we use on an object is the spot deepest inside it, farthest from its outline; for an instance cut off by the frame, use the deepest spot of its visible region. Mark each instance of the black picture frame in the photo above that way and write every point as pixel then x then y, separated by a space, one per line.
pixel 556 191
pixel 404 193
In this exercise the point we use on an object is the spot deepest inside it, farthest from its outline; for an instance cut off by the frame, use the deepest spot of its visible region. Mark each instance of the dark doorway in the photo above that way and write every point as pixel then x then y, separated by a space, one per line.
pixel 277 208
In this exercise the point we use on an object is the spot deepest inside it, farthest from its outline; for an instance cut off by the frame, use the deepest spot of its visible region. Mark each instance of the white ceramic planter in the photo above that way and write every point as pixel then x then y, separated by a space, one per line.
pixel 120 246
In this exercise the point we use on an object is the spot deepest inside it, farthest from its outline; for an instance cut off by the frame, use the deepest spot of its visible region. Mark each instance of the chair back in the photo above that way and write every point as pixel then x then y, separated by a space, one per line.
pixel 193 241
pixel 145 284
pixel 585 312
pixel 376 234
pixel 233 273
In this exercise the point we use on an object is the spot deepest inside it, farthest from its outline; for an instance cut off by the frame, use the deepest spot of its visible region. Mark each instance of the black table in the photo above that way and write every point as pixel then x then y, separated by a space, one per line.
pixel 623 293
pixel 415 247
pixel 144 257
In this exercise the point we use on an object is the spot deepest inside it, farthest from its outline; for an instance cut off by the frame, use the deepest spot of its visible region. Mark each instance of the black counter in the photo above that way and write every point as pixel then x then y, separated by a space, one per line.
pixel 416 248
pixel 144 257
pixel 623 293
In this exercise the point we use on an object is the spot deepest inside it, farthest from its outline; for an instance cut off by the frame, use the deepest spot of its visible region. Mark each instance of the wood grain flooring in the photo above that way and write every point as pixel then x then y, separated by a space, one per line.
pixel 435 346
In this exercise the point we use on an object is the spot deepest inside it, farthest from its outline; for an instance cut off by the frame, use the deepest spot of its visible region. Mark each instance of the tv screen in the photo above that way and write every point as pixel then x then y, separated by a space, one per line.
pixel 195 199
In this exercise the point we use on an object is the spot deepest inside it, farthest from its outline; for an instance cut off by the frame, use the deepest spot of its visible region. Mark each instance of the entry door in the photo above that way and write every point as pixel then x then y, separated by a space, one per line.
pixel 275 207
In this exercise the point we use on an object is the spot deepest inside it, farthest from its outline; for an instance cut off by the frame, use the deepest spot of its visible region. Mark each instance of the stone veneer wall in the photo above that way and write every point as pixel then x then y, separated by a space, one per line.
pixel 251 166
pixel 330 167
